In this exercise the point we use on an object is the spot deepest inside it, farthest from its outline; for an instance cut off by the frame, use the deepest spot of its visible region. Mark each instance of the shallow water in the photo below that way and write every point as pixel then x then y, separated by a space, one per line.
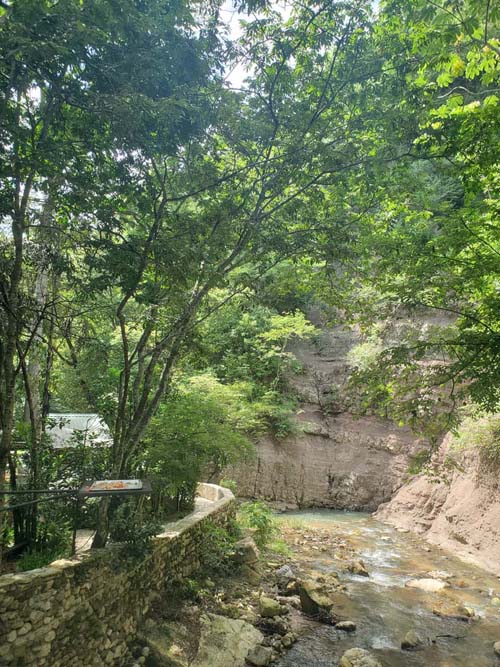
pixel 385 610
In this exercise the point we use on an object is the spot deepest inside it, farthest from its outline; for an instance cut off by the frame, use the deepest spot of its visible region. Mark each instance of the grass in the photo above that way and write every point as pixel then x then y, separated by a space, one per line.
pixel 291 522
pixel 481 431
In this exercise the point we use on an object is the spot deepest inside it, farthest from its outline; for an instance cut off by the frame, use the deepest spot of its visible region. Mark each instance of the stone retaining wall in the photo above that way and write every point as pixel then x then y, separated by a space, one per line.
pixel 83 612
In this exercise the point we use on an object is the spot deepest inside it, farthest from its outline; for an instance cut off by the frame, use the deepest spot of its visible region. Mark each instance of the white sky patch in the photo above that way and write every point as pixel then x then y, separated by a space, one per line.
pixel 236 76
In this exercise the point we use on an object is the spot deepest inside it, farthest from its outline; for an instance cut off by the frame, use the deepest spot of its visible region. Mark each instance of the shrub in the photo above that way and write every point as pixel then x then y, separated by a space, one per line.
pixel 217 552
pixel 481 430
pixel 133 529
pixel 258 516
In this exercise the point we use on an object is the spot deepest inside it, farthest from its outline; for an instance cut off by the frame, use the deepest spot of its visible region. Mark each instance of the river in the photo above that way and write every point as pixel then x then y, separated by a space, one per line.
pixel 384 609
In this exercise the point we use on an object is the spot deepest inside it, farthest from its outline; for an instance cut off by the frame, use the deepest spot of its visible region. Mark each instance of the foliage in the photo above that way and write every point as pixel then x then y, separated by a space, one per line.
pixel 480 431
pixel 430 243
pixel 162 233
pixel 198 432
pixel 37 559
pixel 133 529
pixel 419 461
pixel 229 484
pixel 218 548
pixel 259 517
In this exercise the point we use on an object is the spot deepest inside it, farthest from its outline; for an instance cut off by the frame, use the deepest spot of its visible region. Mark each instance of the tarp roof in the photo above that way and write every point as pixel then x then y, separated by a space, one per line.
pixel 62 427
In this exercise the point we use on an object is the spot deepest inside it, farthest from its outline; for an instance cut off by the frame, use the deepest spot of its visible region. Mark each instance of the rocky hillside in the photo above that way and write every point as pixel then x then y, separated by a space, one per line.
pixel 457 507
pixel 334 459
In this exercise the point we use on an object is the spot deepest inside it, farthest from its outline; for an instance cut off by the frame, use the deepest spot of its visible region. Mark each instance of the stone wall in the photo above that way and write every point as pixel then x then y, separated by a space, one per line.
pixel 83 612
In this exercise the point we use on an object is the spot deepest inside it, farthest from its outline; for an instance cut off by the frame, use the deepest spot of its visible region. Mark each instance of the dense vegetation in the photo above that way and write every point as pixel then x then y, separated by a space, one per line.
pixel 164 231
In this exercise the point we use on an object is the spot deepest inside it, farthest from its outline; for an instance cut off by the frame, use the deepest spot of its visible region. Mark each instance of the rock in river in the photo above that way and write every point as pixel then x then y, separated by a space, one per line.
pixel 412 641
pixel 260 656
pixel 427 585
pixel 313 598
pixel 269 608
pixel 496 648
pixel 358 657
pixel 359 568
pixel 346 626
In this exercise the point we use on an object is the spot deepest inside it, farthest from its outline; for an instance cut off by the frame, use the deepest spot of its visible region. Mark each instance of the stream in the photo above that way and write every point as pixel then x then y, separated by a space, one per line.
pixel 384 610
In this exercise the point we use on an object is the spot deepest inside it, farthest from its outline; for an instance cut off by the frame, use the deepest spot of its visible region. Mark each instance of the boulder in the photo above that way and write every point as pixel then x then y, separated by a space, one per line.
pixel 269 608
pixel 260 656
pixel 313 598
pixel 496 649
pixel 225 642
pixel 251 574
pixel 167 643
pixel 246 551
pixel 412 641
pixel 427 585
pixel 358 657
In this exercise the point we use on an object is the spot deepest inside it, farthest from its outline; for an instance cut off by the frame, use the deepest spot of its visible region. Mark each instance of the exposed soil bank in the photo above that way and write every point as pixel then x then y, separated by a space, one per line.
pixel 458 507
pixel 335 459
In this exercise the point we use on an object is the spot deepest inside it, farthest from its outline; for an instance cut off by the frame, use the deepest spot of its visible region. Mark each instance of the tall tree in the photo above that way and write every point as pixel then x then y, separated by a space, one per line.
pixel 78 78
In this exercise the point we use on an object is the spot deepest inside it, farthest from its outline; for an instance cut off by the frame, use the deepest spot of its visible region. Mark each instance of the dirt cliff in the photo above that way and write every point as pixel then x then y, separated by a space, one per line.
pixel 335 459
pixel 456 507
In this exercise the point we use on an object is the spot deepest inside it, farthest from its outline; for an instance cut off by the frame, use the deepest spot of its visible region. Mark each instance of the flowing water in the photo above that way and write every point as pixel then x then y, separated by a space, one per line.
pixel 385 610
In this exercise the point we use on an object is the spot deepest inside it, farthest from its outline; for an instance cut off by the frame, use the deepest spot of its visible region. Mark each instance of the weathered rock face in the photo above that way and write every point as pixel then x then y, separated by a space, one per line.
pixel 225 642
pixel 458 510
pixel 335 460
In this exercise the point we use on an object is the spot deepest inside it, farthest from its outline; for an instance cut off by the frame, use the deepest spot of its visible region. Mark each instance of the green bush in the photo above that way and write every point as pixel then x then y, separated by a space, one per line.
pixel 259 517
pixel 132 528
pixel 217 551
pixel 482 431
pixel 197 432
pixel 36 559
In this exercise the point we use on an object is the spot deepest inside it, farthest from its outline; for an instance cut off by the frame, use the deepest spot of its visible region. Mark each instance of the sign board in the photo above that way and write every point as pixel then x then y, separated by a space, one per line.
pixel 115 487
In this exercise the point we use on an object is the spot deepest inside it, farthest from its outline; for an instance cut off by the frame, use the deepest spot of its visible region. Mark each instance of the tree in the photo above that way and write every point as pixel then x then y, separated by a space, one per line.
pixel 74 76
pixel 432 242
pixel 176 220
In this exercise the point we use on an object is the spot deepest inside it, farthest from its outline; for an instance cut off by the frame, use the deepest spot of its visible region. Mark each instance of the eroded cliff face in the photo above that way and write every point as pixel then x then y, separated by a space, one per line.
pixel 335 459
pixel 457 507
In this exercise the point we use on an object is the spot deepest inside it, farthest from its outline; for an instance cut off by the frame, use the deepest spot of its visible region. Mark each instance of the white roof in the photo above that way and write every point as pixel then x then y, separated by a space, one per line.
pixel 63 426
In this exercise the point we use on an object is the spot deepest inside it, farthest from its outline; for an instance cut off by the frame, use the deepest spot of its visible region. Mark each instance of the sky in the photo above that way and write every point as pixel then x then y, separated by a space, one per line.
pixel 231 17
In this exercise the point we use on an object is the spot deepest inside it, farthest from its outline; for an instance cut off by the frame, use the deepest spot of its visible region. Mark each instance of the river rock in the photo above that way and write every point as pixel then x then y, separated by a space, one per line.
pixel 496 648
pixel 358 657
pixel 453 610
pixel 246 551
pixel 269 608
pixel 346 626
pixel 167 643
pixel 313 598
pixel 277 625
pixel 260 656
pixel 359 568
pixel 285 572
pixel 289 639
pixel 427 585
pixel 412 641
pixel 225 642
